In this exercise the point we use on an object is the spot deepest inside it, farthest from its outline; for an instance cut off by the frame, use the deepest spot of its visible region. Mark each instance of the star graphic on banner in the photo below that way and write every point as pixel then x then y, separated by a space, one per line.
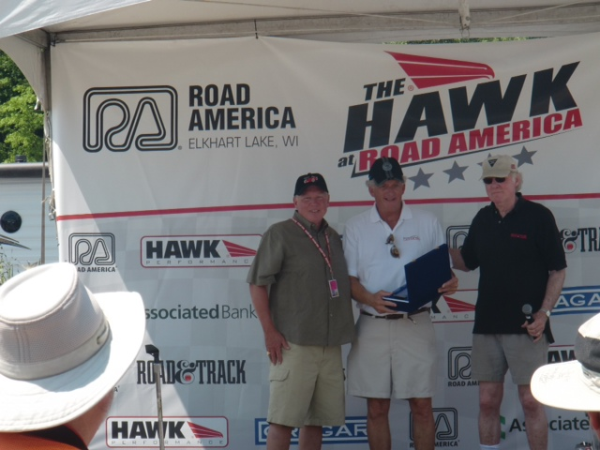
pixel 456 172
pixel 525 157
pixel 421 179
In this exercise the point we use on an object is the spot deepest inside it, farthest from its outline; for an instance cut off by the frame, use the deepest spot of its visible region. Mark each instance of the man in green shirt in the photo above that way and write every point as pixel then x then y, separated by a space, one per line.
pixel 301 291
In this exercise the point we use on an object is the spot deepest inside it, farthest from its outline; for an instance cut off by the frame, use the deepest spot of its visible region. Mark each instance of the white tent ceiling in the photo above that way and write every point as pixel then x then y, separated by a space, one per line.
pixel 340 20
pixel 27 25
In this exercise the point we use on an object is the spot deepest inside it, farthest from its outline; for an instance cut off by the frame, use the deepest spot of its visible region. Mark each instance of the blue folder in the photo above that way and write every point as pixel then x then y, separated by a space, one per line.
pixel 424 276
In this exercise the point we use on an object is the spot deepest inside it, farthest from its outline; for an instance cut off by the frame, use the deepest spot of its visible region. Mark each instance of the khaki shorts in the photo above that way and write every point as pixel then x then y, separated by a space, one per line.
pixel 308 387
pixel 393 358
pixel 494 354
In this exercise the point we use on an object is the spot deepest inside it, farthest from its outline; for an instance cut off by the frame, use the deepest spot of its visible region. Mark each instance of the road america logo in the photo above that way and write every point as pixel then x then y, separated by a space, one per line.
pixel 446 427
pixel 199 251
pixel 121 118
pixel 178 432
pixel 92 252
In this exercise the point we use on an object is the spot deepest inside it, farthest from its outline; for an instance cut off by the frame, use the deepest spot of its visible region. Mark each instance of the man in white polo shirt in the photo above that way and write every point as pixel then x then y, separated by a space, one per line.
pixel 393 355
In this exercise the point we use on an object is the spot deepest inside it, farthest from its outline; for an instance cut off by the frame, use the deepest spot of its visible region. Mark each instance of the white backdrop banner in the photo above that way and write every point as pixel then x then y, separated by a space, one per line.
pixel 173 157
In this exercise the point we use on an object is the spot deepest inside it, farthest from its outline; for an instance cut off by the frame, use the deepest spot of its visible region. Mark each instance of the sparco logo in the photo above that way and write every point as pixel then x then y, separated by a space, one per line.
pixel 578 300
pixel 178 432
pixel 446 427
pixel 119 118
pixel 199 251
pixel 354 431
pixel 200 371
pixel 92 252
pixel 581 239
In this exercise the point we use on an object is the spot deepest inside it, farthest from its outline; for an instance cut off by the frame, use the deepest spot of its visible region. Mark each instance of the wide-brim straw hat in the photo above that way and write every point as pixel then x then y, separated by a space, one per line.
pixel 573 385
pixel 62 348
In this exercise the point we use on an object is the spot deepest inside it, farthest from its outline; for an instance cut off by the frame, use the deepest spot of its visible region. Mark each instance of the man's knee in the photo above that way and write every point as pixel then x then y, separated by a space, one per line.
pixel 528 402
pixel 421 408
pixel 378 408
pixel 490 397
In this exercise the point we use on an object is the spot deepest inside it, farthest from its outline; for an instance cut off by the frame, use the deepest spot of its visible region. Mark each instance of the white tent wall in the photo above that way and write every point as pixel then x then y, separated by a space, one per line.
pixel 178 217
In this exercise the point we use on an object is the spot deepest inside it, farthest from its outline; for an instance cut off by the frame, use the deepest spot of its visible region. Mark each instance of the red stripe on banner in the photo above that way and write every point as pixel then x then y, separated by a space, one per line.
pixel 212 209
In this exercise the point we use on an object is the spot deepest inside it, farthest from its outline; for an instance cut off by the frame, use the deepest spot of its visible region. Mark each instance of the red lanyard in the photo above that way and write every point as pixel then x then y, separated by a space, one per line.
pixel 325 257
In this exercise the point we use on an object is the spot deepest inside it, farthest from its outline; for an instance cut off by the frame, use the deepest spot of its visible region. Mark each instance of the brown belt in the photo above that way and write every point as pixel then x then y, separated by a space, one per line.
pixel 396 316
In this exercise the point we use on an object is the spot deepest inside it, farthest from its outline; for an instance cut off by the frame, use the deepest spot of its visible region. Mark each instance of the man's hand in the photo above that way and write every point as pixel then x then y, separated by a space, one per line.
pixel 536 328
pixel 275 342
pixel 380 305
pixel 450 286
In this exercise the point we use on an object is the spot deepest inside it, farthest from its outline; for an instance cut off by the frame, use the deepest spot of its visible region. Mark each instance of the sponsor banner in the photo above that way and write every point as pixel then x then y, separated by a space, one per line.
pixel 354 431
pixel 185 164
pixel 198 251
pixel 178 432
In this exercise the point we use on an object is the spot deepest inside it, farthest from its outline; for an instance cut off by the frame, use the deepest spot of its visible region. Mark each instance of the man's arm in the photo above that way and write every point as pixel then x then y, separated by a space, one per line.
pixel 361 295
pixel 274 340
pixel 457 260
pixel 553 289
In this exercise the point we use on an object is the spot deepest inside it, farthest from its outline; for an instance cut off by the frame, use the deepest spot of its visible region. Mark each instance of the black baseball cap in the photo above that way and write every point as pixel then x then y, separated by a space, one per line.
pixel 310 179
pixel 384 169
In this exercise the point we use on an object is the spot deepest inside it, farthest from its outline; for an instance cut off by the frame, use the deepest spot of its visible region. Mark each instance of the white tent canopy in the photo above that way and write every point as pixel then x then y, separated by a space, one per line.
pixel 26 26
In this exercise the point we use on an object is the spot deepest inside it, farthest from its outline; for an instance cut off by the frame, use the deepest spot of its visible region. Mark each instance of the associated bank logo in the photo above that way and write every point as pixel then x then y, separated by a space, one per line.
pixel 459 367
pixel 199 251
pixel 578 300
pixel 179 432
pixel 354 431
pixel 446 427
pixel 92 252
pixel 119 118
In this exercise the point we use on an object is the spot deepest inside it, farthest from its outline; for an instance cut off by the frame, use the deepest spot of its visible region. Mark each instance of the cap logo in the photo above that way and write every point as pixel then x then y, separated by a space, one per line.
pixel 311 179
pixel 491 162
pixel 387 168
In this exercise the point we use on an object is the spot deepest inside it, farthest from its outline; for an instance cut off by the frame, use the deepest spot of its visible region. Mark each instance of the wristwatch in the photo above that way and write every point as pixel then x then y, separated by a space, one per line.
pixel 545 311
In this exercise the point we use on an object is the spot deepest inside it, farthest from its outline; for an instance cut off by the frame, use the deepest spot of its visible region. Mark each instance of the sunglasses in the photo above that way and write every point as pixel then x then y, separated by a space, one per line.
pixel 394 250
pixel 499 180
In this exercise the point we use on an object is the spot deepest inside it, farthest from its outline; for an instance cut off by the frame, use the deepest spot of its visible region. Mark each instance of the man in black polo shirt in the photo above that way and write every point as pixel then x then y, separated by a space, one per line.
pixel 516 245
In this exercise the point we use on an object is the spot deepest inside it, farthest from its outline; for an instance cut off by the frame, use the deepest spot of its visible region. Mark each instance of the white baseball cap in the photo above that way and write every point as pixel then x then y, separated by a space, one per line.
pixel 62 348
pixel 573 385
pixel 498 166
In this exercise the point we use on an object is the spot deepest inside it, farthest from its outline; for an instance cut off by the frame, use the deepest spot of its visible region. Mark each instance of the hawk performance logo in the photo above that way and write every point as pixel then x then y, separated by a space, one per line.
pixel 179 432
pixel 199 251
pixel 119 118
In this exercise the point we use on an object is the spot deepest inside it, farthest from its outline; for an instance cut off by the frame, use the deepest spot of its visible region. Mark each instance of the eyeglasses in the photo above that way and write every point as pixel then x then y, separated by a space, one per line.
pixel 499 180
pixel 394 250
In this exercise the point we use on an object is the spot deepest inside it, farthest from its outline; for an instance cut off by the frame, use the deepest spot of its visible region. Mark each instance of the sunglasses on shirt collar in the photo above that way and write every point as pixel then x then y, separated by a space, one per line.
pixel 394 250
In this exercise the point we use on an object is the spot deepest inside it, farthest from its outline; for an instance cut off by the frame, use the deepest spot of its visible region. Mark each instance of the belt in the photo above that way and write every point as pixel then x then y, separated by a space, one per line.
pixel 396 316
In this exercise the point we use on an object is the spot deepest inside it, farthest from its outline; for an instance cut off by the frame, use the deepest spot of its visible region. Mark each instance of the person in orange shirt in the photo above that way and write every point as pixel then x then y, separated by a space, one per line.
pixel 62 351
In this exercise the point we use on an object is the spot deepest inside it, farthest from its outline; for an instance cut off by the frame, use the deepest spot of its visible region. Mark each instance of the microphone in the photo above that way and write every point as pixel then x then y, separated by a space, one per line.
pixel 527 310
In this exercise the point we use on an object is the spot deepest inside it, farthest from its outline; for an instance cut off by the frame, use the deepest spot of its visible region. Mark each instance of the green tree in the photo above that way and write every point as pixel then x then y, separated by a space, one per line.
pixel 21 127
